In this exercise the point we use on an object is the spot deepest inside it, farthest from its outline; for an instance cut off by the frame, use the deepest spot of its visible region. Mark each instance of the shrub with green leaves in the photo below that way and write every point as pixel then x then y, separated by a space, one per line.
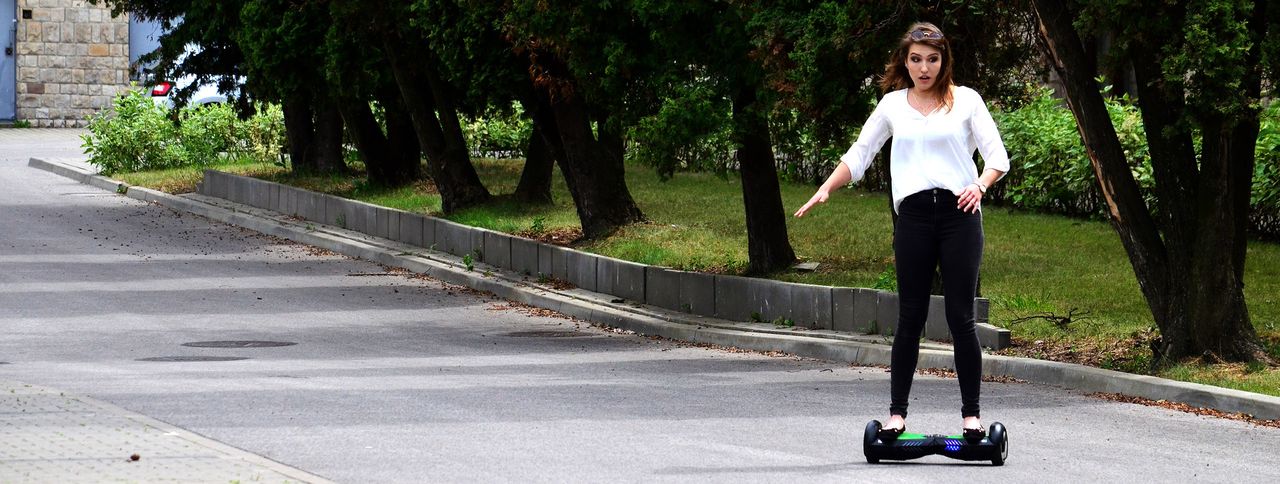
pixel 1051 170
pixel 498 133
pixel 1265 200
pixel 138 135
pixel 690 132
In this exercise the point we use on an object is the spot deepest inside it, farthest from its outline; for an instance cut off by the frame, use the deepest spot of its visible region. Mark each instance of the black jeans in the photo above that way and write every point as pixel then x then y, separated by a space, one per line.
pixel 932 232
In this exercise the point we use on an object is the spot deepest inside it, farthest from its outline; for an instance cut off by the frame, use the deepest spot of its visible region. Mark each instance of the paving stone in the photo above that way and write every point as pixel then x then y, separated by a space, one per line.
pixel 476 236
pixel 886 312
pixel 353 216
pixel 993 336
pixel 334 209
pixel 811 306
pixel 311 206
pixel 981 310
pixel 582 269
pixel 524 256
pixel 273 197
pixel 620 278
pixel 662 288
pixel 734 299
pixel 772 298
pixel 936 328
pixel 411 229
pixel 453 238
pixel 214 184
pixel 382 222
pixel 866 310
pixel 429 237
pixel 553 262
pixel 393 223
pixel 261 193
pixel 842 305
pixel 697 293
pixel 55 436
pixel 497 249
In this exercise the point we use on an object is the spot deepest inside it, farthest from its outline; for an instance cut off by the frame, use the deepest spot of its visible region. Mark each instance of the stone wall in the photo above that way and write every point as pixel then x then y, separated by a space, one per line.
pixel 73 58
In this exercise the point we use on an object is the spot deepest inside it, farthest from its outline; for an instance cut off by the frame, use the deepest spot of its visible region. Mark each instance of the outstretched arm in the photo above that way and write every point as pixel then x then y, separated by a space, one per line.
pixel 840 177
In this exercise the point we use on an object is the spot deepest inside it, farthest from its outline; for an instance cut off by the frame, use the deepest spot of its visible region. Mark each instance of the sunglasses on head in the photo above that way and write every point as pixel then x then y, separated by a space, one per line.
pixel 922 34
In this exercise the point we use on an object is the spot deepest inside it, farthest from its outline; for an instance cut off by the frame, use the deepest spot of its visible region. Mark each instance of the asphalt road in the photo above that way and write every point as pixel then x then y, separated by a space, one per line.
pixel 401 379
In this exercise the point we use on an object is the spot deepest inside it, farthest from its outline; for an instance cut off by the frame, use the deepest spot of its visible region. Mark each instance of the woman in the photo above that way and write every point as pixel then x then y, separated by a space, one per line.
pixel 937 194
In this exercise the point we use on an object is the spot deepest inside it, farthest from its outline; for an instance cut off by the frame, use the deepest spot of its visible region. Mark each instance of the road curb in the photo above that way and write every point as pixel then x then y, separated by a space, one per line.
pixel 651 320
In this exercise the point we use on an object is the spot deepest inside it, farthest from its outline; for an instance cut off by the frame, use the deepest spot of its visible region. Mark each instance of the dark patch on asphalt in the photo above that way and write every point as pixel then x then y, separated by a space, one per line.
pixel 193 358
pixel 547 334
pixel 238 344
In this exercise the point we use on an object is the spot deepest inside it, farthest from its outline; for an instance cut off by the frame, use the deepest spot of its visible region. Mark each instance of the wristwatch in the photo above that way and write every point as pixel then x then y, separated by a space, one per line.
pixel 982 188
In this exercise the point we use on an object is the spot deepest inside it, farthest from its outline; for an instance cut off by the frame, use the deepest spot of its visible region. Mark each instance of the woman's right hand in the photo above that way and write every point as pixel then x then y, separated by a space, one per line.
pixel 819 197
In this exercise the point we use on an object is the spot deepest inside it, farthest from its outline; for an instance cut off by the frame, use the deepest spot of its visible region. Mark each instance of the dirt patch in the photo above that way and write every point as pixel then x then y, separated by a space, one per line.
pixel 527 310
pixel 1132 354
pixel 563 237
pixel 556 283
pixel 947 373
pixel 1182 407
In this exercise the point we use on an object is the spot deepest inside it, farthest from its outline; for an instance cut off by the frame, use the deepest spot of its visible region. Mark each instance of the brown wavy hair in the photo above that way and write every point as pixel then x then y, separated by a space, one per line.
pixel 895 72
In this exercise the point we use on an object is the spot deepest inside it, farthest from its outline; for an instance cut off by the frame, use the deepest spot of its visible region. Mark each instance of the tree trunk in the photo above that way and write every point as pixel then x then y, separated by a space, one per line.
pixel 595 177
pixel 379 158
pixel 768 248
pixel 448 160
pixel 406 153
pixel 314 132
pixel 535 179
pixel 327 151
pixel 299 129
pixel 1192 277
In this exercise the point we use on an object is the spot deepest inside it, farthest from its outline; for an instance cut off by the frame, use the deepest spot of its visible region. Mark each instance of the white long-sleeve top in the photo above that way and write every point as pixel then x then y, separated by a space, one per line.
pixel 934 151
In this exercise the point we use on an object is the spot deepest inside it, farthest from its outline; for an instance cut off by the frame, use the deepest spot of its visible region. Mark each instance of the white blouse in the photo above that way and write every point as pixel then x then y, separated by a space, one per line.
pixel 934 151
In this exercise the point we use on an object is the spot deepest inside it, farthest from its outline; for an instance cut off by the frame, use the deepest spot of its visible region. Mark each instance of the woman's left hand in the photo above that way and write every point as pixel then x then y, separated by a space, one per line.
pixel 970 199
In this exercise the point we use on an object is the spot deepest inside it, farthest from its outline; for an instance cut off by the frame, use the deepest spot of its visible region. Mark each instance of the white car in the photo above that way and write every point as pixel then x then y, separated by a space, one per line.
pixel 163 93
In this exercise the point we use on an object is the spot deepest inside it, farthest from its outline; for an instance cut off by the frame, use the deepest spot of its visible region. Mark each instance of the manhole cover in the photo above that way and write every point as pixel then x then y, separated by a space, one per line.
pixel 547 334
pixel 238 344
pixel 194 358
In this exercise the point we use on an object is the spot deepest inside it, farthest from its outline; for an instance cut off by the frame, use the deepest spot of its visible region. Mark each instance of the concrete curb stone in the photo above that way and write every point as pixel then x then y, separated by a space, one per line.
pixel 697 293
pixel 497 249
pixel 524 256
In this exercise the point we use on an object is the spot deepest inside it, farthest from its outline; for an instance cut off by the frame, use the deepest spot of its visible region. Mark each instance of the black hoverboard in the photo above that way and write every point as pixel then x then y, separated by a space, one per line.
pixel 993 447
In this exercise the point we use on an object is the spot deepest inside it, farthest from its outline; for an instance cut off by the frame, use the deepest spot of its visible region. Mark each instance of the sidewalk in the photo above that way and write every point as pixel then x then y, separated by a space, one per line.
pixel 50 436
pixel 650 320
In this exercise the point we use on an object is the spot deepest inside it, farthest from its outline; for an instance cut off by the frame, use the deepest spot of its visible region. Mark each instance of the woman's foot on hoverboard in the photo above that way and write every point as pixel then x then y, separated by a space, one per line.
pixel 892 428
pixel 973 430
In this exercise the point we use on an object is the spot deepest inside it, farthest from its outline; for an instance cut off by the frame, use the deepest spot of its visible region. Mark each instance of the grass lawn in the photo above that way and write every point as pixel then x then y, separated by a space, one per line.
pixel 1034 264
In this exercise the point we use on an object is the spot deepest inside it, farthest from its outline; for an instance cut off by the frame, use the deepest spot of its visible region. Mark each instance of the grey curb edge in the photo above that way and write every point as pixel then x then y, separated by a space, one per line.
pixel 674 325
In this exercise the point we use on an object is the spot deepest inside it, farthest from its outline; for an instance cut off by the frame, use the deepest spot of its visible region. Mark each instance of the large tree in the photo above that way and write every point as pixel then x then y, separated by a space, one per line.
pixel 279 39
pixel 588 78
pixel 1199 68
pixel 428 94
pixel 360 78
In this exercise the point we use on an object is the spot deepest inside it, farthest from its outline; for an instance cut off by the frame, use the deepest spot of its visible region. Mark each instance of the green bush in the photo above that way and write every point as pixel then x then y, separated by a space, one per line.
pixel 135 135
pixel 138 135
pixel 692 131
pixel 498 134
pixel 262 136
pixel 1265 202
pixel 1051 171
